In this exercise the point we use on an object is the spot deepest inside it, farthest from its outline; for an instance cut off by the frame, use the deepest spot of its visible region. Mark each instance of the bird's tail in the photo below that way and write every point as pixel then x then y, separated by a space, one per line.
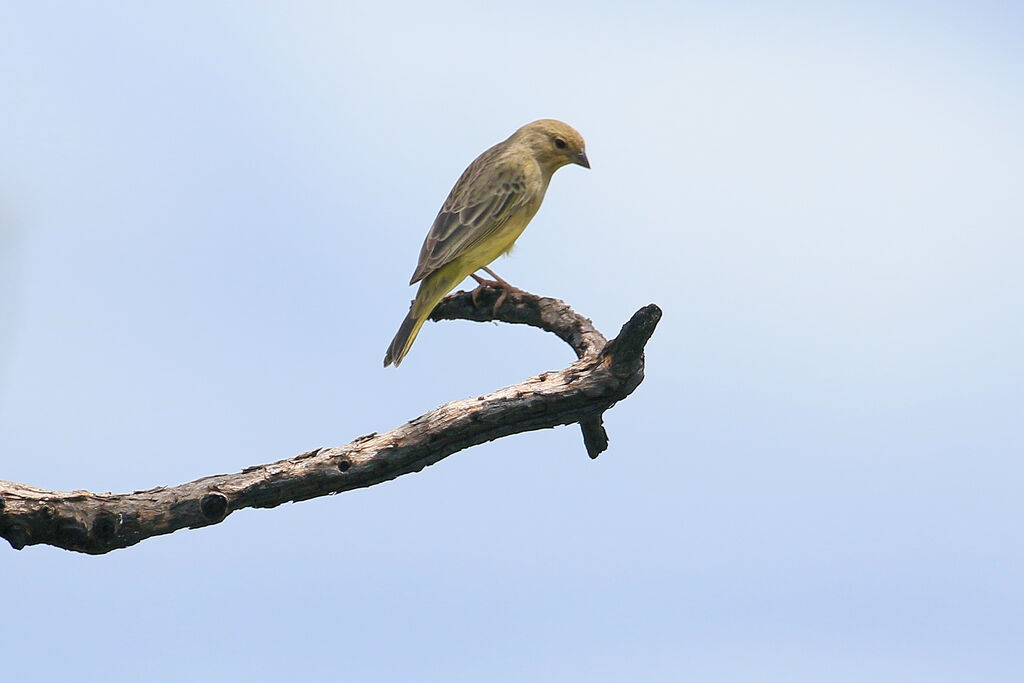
pixel 431 291
pixel 403 340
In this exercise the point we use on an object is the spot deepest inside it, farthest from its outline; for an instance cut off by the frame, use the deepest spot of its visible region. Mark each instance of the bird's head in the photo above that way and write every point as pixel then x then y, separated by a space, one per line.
pixel 554 144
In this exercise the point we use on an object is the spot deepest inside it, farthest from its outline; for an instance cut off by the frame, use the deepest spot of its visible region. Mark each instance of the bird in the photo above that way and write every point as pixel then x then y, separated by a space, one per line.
pixel 490 205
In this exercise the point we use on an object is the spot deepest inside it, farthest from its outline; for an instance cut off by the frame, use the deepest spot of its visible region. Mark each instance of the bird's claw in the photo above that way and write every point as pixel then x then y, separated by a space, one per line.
pixel 484 284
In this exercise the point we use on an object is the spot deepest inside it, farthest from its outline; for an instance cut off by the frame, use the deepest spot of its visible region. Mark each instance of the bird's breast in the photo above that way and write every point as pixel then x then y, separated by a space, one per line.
pixel 503 239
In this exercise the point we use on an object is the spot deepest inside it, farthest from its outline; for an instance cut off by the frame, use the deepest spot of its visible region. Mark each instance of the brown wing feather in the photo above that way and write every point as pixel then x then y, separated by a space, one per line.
pixel 483 199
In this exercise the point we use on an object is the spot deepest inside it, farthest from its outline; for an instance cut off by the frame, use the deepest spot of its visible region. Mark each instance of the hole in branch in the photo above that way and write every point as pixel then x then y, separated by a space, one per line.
pixel 214 506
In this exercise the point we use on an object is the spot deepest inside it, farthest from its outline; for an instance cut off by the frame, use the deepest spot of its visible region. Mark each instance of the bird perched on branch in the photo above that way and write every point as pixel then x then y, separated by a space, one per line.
pixel 490 205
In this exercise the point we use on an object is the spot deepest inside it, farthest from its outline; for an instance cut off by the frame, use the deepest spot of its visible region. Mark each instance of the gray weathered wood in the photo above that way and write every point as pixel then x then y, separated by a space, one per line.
pixel 606 372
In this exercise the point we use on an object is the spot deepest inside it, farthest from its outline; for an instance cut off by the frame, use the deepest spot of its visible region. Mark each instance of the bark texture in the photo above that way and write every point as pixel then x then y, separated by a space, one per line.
pixel 605 373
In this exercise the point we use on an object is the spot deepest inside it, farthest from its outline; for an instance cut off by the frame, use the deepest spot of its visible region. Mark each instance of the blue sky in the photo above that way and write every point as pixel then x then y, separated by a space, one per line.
pixel 208 216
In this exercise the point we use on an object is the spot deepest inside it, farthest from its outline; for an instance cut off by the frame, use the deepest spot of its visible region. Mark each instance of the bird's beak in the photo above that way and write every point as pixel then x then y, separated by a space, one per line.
pixel 582 159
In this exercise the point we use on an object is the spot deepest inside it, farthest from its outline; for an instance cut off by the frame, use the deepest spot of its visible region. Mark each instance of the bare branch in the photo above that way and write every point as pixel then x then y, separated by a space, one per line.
pixel 550 315
pixel 605 373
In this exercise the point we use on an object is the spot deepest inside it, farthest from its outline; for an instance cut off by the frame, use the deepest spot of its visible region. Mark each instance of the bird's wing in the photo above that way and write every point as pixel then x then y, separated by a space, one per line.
pixel 487 194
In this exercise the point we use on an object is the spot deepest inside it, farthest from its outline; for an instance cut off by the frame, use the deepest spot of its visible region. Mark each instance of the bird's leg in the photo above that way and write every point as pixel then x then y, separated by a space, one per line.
pixel 497 278
pixel 498 282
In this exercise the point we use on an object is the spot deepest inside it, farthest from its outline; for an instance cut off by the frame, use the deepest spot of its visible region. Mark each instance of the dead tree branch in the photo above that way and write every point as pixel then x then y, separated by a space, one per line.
pixel 605 373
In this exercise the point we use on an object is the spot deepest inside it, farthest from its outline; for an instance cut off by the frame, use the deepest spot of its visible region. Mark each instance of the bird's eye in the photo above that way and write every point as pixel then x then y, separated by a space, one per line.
pixel 559 143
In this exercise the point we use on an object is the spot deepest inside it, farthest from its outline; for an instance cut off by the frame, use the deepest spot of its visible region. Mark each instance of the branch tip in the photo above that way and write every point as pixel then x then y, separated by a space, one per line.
pixel 595 437
pixel 626 350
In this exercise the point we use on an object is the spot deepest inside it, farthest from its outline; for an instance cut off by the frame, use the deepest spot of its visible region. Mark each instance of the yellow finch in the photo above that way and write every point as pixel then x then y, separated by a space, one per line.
pixel 485 212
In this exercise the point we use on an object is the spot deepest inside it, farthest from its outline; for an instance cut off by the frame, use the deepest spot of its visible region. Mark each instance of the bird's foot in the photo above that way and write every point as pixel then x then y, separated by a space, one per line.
pixel 483 284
